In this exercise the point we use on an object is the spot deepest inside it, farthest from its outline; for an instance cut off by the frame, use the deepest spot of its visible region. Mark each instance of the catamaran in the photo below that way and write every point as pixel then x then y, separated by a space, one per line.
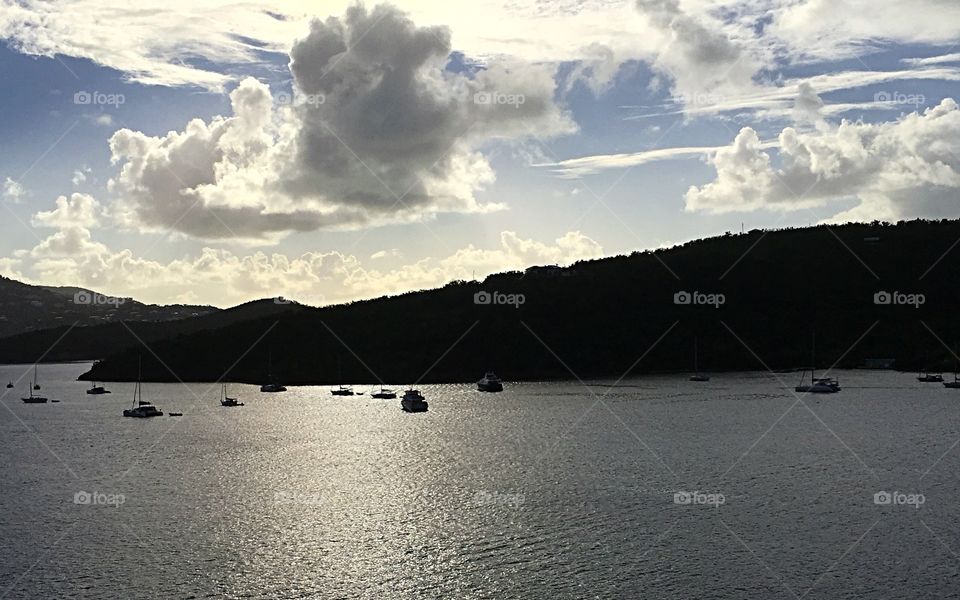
pixel 141 409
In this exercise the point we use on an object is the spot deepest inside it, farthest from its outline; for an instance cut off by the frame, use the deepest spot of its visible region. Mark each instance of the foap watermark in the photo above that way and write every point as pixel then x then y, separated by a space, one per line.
pixel 299 99
pixel 899 299
pixel 295 497
pixel 915 100
pixel 895 498
pixel 698 99
pixel 485 498
pixel 98 99
pixel 93 298
pixel 699 299
pixel 697 497
pixel 99 499
pixel 514 300
pixel 495 98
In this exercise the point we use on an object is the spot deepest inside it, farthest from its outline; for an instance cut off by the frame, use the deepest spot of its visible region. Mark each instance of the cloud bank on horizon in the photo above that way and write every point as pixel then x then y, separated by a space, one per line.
pixel 379 117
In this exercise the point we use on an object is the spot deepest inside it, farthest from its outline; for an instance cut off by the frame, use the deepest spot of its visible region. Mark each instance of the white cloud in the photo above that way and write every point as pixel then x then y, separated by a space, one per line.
pixel 379 134
pixel 70 256
pixel 391 253
pixel 901 169
pixel 933 60
pixel 830 30
pixel 13 191
pixel 80 176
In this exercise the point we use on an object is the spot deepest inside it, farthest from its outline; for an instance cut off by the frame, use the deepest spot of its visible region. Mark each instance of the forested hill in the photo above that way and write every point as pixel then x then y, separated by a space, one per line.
pixel 756 301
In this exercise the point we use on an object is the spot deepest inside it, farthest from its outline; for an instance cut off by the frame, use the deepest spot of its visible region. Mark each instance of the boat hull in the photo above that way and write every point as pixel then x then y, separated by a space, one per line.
pixel 954 385
pixel 817 389
pixel 34 400
pixel 384 396
pixel 414 406
pixel 142 414
pixel 487 386
pixel 272 388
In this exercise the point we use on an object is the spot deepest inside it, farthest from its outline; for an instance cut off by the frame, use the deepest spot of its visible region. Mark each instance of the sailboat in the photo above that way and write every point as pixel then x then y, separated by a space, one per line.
pixel 271 386
pixel 341 390
pixel 226 400
pixel 822 385
pixel 31 399
pixel 141 409
pixel 36 381
pixel 384 394
pixel 697 375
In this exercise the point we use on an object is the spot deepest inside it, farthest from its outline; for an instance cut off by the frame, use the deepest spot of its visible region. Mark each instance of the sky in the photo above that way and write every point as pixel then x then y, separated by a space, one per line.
pixel 219 152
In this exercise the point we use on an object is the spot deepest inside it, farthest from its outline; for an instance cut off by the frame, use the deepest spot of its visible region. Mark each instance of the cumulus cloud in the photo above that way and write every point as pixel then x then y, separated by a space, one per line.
pixel 900 169
pixel 379 132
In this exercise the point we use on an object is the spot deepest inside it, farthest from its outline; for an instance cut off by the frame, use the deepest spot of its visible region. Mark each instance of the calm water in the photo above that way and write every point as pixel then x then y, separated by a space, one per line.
pixel 538 492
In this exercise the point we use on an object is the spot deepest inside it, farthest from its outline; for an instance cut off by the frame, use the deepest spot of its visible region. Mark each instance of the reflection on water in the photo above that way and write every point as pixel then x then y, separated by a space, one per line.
pixel 539 492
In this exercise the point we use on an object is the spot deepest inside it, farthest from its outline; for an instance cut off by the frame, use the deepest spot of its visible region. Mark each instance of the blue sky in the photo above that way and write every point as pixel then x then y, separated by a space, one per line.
pixel 614 126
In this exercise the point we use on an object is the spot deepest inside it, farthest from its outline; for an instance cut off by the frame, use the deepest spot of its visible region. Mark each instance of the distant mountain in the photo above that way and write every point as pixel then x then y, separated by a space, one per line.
pixel 754 301
pixel 66 343
pixel 26 307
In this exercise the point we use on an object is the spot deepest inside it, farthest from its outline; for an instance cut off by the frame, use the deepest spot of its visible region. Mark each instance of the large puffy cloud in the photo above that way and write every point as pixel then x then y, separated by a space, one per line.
pixel 379 132
pixel 906 168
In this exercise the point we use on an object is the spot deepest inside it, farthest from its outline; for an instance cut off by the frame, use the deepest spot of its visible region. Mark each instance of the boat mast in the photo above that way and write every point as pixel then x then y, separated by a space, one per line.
pixel 696 364
pixel 136 387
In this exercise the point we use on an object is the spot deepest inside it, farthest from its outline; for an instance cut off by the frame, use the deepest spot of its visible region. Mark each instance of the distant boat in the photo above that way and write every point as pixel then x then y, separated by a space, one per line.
pixel 384 394
pixel 697 375
pixel 141 409
pixel 226 400
pixel 9 384
pixel 272 386
pixel 341 390
pixel 97 389
pixel 31 399
pixel 413 401
pixel 175 414
pixel 821 385
pixel 955 384
pixel 490 383
pixel 925 377
pixel 36 380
